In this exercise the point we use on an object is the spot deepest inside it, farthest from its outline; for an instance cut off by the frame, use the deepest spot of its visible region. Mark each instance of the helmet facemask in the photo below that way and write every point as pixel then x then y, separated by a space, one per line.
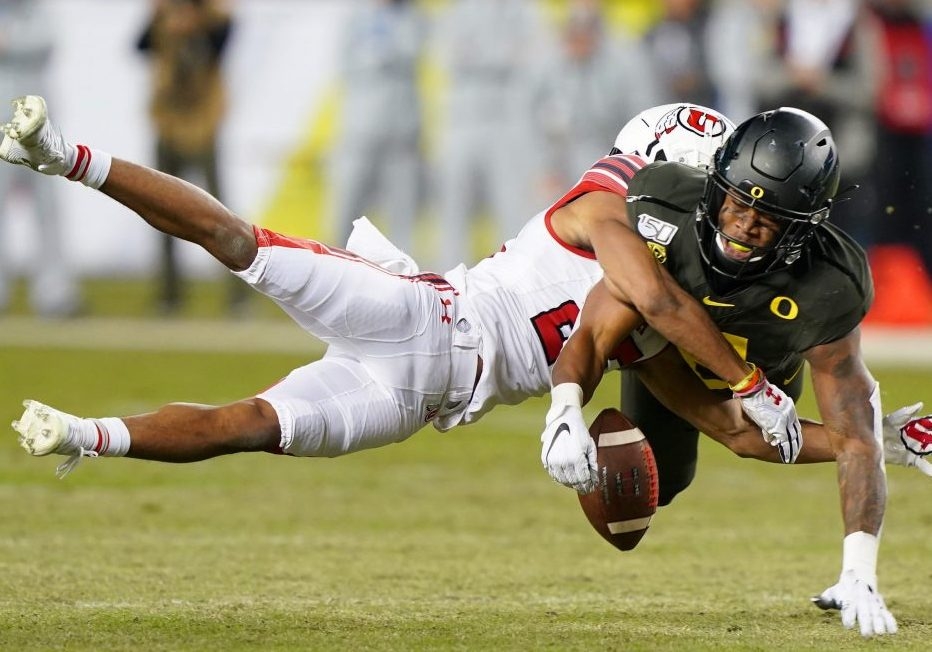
pixel 785 249
pixel 781 163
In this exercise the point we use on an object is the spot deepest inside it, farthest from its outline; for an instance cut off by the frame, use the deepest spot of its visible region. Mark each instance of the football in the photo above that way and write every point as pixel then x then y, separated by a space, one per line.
pixel 625 498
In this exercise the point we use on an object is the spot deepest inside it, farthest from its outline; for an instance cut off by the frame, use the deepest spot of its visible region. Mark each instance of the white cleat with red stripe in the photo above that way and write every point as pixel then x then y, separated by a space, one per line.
pixel 30 139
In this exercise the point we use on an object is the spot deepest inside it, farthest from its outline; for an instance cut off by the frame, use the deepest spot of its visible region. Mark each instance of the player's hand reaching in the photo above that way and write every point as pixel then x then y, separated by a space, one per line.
pixel 773 411
pixel 907 439
pixel 860 603
pixel 567 450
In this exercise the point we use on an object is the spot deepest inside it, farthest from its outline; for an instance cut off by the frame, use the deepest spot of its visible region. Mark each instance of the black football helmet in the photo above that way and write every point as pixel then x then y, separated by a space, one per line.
pixel 783 163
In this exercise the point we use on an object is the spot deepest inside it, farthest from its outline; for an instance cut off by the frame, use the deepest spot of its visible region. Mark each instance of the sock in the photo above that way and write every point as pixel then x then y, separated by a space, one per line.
pixel 87 165
pixel 107 437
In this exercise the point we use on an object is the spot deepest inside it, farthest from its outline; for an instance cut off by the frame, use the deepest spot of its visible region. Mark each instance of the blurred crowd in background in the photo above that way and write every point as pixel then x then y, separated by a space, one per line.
pixel 457 113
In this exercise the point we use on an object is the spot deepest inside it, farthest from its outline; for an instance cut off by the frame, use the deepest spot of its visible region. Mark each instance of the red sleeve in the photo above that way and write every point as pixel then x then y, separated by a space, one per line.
pixel 611 174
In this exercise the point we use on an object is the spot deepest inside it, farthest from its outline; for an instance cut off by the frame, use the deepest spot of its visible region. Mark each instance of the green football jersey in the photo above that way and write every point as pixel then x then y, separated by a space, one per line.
pixel 771 321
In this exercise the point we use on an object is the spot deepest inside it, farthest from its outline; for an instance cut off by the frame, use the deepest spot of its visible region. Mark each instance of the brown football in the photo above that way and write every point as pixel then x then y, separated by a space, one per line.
pixel 625 498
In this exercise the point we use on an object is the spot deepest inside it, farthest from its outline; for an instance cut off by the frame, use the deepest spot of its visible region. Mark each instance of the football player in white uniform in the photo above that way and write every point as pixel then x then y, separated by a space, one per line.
pixel 453 347
pixel 456 345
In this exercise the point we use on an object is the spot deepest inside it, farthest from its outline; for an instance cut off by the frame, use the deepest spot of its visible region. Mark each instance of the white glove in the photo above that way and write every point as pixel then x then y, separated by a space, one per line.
pixel 908 440
pixel 567 450
pixel 859 602
pixel 773 411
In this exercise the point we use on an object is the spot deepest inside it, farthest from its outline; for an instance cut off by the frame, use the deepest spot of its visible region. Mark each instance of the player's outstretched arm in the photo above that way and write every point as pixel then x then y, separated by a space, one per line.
pixel 567 451
pixel 634 277
pixel 849 402
pixel 602 325
pixel 168 204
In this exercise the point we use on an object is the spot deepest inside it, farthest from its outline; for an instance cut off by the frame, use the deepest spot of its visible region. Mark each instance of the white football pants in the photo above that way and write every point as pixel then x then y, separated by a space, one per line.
pixel 397 354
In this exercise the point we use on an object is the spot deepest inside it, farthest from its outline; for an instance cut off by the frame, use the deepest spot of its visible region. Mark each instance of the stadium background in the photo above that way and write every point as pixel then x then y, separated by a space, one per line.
pixel 283 106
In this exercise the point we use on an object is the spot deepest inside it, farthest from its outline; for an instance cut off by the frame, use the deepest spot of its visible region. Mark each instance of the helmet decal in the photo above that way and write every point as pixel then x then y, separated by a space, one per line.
pixel 702 121
pixel 685 133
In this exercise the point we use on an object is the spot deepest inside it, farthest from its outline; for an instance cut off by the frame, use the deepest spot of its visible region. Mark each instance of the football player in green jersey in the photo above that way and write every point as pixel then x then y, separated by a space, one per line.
pixel 750 239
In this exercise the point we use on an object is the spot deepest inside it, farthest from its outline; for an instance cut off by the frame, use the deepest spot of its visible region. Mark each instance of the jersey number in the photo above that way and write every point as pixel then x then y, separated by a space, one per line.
pixel 712 381
pixel 554 327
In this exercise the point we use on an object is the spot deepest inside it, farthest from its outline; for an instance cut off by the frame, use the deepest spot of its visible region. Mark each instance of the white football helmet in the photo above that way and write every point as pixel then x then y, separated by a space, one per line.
pixel 681 132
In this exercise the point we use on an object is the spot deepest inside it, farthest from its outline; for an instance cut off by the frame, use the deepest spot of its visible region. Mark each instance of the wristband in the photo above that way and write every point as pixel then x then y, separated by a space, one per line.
pixel 566 394
pixel 750 383
pixel 860 556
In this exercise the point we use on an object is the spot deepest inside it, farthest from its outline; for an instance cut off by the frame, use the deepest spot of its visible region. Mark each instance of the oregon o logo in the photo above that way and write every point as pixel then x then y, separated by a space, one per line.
pixel 757 192
pixel 784 308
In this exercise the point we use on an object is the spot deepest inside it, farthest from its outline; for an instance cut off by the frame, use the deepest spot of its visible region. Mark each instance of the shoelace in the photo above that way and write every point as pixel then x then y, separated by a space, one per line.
pixel 69 465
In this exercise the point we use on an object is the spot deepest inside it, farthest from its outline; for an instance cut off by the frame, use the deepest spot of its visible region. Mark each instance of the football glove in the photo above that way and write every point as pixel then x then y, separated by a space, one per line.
pixel 907 441
pixel 859 602
pixel 567 450
pixel 773 411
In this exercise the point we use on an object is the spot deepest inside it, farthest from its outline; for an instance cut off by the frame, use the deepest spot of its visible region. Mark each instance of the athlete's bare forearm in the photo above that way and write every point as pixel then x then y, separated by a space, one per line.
pixel 677 386
pixel 603 324
pixel 633 276
pixel 685 323
pixel 577 363
pixel 843 388
pixel 182 210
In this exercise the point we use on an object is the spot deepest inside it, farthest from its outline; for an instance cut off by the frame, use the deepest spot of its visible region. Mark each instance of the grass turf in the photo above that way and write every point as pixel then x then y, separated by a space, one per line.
pixel 445 542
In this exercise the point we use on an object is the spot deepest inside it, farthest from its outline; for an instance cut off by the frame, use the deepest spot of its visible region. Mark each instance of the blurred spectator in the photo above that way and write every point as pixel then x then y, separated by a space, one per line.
pixel 822 58
pixel 377 162
pixel 26 42
pixel 483 160
pixel 739 34
pixel 676 45
pixel 902 230
pixel 583 92
pixel 185 40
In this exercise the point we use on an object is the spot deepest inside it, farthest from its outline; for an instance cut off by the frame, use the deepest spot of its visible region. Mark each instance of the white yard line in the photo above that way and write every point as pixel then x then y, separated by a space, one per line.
pixel 900 346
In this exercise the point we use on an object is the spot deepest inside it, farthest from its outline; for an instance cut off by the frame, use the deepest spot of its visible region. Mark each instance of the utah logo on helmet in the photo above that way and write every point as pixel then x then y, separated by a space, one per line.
pixel 685 133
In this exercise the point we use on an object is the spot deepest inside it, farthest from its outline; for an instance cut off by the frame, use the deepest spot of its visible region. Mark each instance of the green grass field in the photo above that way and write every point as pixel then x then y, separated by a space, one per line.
pixel 445 542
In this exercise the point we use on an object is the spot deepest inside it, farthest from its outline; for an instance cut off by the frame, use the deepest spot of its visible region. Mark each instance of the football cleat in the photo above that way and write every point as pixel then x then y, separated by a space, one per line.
pixel 43 430
pixel 30 139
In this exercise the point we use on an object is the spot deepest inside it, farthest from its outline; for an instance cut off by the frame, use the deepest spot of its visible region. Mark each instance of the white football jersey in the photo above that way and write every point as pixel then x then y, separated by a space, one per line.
pixel 526 298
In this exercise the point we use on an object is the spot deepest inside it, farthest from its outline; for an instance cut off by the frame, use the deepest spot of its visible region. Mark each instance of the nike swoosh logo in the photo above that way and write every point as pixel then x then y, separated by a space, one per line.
pixel 709 302
pixel 563 428
pixel 787 381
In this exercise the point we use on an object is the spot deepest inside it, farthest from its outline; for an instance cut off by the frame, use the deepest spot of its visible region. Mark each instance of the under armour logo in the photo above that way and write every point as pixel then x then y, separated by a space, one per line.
pixel 776 398
pixel 445 317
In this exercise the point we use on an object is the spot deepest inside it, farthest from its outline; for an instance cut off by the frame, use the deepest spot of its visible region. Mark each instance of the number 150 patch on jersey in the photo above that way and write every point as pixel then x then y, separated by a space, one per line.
pixel 656 230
